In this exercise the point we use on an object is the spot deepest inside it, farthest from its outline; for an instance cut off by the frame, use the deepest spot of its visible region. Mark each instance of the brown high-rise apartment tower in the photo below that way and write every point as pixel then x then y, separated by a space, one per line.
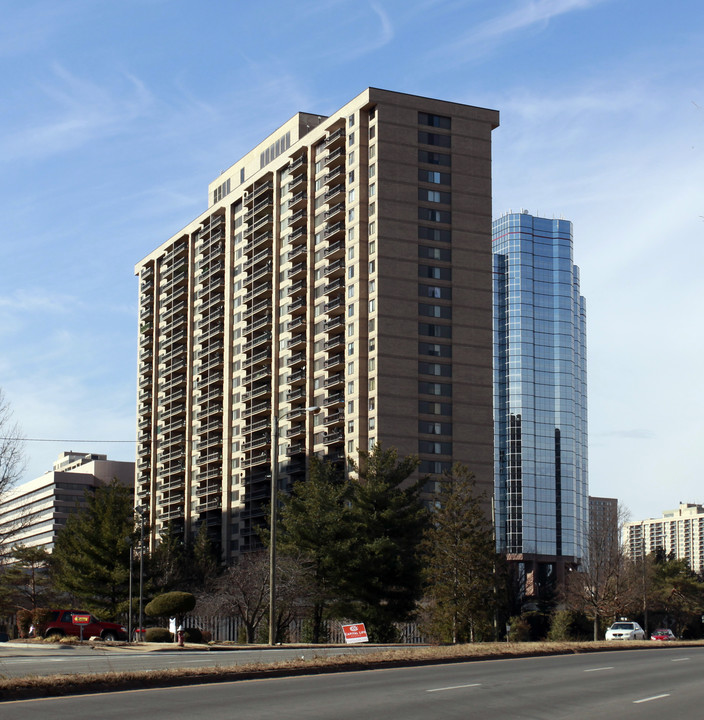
pixel 336 293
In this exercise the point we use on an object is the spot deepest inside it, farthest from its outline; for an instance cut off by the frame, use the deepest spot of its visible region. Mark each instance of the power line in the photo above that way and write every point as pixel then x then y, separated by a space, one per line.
pixel 21 439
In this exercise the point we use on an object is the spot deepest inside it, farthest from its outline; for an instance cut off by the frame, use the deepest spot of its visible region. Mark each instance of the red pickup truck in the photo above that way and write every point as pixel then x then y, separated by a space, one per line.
pixel 61 624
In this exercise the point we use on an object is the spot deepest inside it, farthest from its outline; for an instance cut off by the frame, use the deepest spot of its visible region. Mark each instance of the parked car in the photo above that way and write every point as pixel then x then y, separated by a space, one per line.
pixel 625 631
pixel 61 625
pixel 663 634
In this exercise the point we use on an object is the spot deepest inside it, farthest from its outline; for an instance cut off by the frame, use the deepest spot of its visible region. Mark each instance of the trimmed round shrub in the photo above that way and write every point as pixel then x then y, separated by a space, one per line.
pixel 158 635
pixel 193 635
pixel 171 604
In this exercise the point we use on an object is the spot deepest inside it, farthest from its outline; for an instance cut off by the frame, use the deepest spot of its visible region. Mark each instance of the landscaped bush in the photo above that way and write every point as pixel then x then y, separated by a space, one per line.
pixel 568 625
pixel 158 635
pixel 40 619
pixel 24 621
pixel 192 635
pixel 207 636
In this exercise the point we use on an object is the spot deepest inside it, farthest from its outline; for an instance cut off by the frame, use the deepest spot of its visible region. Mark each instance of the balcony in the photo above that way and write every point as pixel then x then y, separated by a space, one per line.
pixel 333 437
pixel 298 286
pixel 335 158
pixel 334 361
pixel 257 442
pixel 297 341
pixel 298 218
pixel 256 291
pixel 209 380
pixel 256 308
pixel 336 303
pixel 295 394
pixel 297 181
pixel 256 341
pixel 256 359
pixel 335 268
pixel 334 380
pixel 335 139
pixel 335 212
pixel 263 372
pixel 333 191
pixel 211 489
pixel 296 359
pixel 334 418
pixel 258 242
pixel 300 321
pixel 204 396
pixel 214 504
pixel 334 342
pixel 258 324
pixel 297 377
pixel 333 230
pixel 260 257
pixel 256 459
pixel 335 322
pixel 295 449
pixel 334 398
pixel 258 209
pixel 297 162
pixel 334 174
pixel 257 274
pixel 259 224
pixel 300 233
pixel 296 271
pixel 300 251
pixel 298 200
pixel 258 409
pixel 258 192
pixel 297 306
pixel 256 392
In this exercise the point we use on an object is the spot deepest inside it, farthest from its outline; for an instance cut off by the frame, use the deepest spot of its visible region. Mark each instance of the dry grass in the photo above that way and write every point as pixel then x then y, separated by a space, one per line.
pixel 56 685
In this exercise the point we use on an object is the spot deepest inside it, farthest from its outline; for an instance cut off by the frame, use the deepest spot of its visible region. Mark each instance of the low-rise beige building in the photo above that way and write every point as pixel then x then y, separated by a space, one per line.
pixel 32 514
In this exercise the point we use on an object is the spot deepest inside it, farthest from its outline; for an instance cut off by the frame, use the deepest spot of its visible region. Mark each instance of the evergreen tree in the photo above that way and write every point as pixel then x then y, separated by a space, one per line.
pixel 91 555
pixel 168 563
pixel 315 526
pixel 381 581
pixel 29 577
pixel 202 564
pixel 460 562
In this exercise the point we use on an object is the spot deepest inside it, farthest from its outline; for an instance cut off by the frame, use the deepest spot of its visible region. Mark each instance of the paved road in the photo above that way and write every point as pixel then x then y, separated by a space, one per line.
pixel 70 659
pixel 631 684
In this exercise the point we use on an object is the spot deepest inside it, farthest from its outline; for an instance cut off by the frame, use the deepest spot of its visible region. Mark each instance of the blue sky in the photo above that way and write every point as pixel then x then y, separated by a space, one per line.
pixel 115 115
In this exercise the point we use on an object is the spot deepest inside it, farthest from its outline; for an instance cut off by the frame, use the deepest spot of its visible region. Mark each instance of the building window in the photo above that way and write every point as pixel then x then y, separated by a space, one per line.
pixel 372 208
pixel 434 176
pixel 436 273
pixel 434 234
pixel 430 388
pixel 435 291
pixel 434 158
pixel 431 330
pixel 434 253
pixel 372 170
pixel 437 369
pixel 428 138
pixel 438 121
pixel 434 349
pixel 434 196
pixel 434 408
pixel 372 190
pixel 431 215
pixel 434 448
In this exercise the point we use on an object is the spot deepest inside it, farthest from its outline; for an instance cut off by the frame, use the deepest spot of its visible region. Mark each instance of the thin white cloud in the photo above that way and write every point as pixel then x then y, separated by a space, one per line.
pixel 485 35
pixel 80 111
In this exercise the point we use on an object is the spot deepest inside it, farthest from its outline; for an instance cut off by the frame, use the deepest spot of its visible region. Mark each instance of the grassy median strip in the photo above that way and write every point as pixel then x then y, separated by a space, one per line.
pixel 57 685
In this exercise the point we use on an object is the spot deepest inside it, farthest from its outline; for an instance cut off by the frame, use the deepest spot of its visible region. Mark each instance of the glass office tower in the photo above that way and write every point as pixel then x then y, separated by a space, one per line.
pixel 540 398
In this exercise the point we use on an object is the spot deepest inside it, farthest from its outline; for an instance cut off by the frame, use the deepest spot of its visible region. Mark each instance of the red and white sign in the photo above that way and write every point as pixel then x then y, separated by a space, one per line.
pixel 355 633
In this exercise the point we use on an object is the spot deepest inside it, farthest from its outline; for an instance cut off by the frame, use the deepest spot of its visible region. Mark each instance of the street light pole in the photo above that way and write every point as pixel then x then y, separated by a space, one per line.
pixel 141 510
pixel 272 525
pixel 272 521
pixel 130 542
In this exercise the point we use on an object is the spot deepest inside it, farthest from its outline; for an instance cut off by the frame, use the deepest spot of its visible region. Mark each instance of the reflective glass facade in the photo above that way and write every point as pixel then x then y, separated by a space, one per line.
pixel 540 393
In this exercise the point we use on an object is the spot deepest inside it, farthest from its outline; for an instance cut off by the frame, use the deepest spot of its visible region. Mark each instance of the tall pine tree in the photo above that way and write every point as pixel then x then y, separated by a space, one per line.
pixel 92 551
pixel 460 562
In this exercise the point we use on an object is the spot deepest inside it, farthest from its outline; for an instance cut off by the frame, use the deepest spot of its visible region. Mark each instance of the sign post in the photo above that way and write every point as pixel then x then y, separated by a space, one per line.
pixel 80 620
pixel 355 633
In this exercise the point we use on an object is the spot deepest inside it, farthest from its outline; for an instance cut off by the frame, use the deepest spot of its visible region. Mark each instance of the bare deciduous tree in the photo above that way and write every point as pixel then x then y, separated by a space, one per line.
pixel 12 465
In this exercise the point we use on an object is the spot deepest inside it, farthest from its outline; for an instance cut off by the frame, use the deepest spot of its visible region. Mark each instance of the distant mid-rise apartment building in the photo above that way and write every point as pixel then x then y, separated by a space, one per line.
pixel 32 514
pixel 540 398
pixel 680 532
pixel 336 293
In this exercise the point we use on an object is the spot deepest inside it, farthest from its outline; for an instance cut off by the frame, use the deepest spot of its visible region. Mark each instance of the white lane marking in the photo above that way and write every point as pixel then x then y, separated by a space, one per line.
pixel 680 659
pixel 610 667
pixel 648 699
pixel 453 687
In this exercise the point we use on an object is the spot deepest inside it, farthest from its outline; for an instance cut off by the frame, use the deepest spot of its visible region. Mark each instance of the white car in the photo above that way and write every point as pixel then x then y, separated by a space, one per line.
pixel 625 631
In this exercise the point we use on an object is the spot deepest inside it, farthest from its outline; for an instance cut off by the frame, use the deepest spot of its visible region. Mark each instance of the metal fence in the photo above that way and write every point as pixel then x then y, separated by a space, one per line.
pixel 232 629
